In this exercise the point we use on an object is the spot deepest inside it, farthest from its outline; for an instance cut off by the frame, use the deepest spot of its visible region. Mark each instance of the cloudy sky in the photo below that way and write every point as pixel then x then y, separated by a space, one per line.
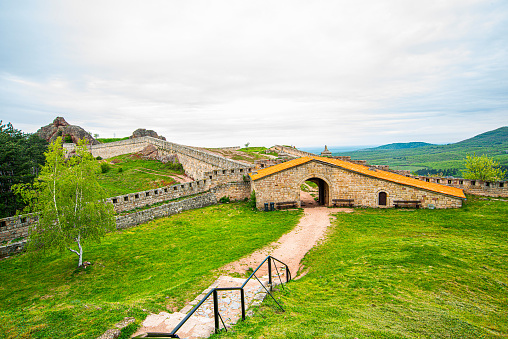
pixel 219 73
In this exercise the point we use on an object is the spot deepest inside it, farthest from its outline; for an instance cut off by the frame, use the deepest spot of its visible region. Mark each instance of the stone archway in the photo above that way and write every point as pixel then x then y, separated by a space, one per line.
pixel 323 190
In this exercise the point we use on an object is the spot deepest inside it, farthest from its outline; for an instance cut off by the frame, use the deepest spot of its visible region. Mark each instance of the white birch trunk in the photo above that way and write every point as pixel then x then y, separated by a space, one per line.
pixel 80 252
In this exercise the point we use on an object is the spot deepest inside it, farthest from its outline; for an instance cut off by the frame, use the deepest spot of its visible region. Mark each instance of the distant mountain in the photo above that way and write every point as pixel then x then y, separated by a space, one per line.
pixel 416 156
pixel 399 145
pixel 496 137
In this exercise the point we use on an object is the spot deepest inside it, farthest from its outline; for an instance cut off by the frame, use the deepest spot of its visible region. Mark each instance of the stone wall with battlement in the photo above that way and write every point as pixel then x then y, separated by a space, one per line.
pixel 233 190
pixel 211 179
pixel 17 227
pixel 113 149
pixel 136 218
pixel 195 162
pixel 476 187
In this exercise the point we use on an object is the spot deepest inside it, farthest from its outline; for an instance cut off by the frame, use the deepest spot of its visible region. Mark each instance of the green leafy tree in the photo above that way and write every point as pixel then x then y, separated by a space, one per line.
pixel 69 201
pixel 21 157
pixel 482 168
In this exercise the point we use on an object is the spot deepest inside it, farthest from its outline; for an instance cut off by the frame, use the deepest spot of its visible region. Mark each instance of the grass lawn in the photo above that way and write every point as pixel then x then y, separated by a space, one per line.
pixel 108 140
pixel 399 274
pixel 152 267
pixel 130 174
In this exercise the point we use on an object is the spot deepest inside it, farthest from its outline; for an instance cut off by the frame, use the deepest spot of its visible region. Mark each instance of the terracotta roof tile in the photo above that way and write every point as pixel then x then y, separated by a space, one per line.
pixel 365 170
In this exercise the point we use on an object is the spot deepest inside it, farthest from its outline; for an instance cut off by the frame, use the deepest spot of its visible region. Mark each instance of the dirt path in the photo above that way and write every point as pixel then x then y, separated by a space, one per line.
pixel 291 247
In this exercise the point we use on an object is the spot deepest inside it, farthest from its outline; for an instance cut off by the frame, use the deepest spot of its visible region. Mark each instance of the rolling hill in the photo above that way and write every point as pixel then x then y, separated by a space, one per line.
pixel 418 156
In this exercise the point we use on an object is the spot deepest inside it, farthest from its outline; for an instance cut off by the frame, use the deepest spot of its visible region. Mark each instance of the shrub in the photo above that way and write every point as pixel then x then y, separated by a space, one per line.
pixel 105 167
pixel 99 158
pixel 224 200
pixel 68 139
pixel 252 200
pixel 120 170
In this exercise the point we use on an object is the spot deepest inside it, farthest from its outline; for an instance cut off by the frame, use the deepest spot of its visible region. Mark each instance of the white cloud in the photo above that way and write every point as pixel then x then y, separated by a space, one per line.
pixel 308 73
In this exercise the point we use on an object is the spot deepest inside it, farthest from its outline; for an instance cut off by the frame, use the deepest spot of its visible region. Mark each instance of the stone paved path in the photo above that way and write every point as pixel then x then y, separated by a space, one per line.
pixel 290 249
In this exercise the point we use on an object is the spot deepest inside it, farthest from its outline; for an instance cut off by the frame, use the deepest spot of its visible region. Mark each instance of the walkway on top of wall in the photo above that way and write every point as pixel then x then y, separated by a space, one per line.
pixel 363 170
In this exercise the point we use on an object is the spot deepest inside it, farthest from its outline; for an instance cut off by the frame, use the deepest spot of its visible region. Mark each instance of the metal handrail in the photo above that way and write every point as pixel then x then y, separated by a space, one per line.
pixel 213 292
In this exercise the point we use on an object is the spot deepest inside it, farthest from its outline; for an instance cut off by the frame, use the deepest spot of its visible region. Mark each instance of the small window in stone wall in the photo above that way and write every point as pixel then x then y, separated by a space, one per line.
pixel 241 170
pixel 156 192
pixel 427 180
pixel 438 181
pixel 136 196
pixel 147 194
pixel 23 220
pixel 3 223
pixel 190 184
pixel 224 172
pixel 449 181
pixel 165 190
pixel 115 201
pixel 487 184
pixel 501 184
pixel 175 188
pixel 461 182
pixel 126 198
pixel 473 183
pixel 210 177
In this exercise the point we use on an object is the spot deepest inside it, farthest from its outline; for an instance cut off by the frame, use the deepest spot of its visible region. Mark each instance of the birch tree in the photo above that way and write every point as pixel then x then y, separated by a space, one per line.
pixel 69 201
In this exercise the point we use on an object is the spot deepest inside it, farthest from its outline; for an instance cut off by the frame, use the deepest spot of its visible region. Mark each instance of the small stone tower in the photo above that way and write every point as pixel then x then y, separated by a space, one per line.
pixel 326 152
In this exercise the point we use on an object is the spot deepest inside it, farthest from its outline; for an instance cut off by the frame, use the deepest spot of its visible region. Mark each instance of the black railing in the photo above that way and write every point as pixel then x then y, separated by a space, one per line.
pixel 214 293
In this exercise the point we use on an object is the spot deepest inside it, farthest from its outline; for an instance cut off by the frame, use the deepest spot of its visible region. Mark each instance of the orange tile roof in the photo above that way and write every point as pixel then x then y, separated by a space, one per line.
pixel 365 170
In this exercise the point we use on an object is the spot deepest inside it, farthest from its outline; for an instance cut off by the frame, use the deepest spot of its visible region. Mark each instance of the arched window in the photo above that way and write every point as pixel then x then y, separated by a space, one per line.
pixel 382 198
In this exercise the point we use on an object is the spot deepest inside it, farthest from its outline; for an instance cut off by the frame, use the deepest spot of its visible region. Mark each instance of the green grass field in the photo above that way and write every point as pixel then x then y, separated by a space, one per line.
pixel 153 267
pixel 399 274
pixel 108 140
pixel 130 174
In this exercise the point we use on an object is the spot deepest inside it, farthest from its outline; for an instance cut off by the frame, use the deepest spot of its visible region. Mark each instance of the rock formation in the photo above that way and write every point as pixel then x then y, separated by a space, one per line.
pixel 141 132
pixel 61 128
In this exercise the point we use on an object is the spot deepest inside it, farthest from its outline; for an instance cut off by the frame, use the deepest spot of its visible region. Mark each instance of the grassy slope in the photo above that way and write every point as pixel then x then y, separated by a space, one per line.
pixel 399 274
pixel 132 179
pixel 108 140
pixel 492 143
pixel 249 154
pixel 155 266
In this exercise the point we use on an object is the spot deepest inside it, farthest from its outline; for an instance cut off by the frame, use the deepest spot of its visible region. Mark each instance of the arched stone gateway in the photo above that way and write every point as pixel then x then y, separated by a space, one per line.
pixel 337 179
pixel 323 190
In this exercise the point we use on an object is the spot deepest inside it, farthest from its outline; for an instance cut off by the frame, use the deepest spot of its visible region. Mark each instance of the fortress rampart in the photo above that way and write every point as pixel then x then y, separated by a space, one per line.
pixel 196 162
pixel 293 151
pixel 476 187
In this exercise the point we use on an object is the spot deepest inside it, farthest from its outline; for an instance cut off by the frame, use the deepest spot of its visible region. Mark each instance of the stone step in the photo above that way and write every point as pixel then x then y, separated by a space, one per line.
pixel 201 324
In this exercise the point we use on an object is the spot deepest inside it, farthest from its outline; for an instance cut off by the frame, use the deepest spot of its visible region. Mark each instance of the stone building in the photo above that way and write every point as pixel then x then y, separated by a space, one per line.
pixel 337 179
pixel 326 152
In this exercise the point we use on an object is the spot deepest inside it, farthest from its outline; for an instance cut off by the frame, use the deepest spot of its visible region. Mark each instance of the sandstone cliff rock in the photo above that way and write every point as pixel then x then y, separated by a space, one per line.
pixel 141 132
pixel 60 127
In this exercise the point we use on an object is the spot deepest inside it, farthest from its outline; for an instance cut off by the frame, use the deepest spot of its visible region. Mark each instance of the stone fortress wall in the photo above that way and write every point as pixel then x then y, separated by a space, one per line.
pixel 476 187
pixel 293 151
pixel 211 179
pixel 218 177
